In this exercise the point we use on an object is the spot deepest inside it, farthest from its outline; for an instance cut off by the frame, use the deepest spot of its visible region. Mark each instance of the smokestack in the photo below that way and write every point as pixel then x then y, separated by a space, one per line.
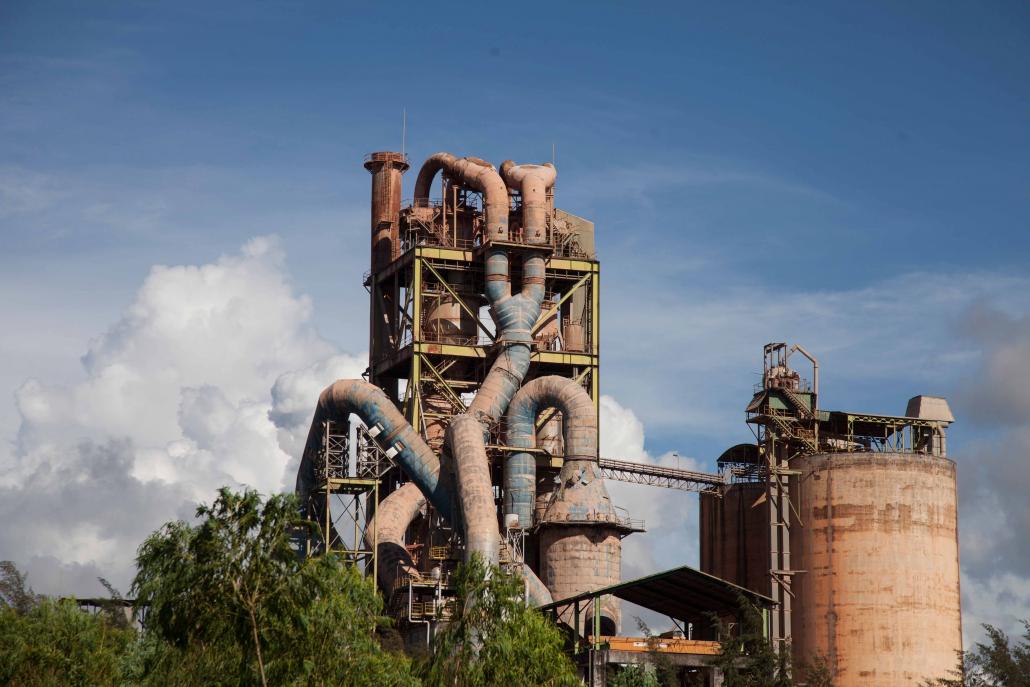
pixel 386 168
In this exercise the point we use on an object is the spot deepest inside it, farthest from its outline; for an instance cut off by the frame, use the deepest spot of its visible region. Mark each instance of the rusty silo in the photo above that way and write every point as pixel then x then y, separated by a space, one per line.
pixel 851 520
pixel 734 535
pixel 879 598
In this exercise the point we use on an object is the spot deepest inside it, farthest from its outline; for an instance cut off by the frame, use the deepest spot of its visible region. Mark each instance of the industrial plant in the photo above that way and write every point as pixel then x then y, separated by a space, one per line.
pixel 478 436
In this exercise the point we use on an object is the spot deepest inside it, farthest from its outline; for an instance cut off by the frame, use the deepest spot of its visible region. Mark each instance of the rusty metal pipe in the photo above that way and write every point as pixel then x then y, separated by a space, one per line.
pixel 533 182
pixel 391 520
pixel 391 431
pixel 475 490
pixel 579 432
pixel 386 168
pixel 472 173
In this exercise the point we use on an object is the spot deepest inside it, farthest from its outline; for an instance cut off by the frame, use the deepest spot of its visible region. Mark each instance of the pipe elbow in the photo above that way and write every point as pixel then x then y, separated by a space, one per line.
pixel 518 176
pixel 533 182
pixel 433 164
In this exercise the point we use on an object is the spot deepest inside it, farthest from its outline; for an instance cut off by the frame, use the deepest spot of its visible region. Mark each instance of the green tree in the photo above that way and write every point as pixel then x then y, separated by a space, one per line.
pixel 495 639
pixel 15 592
pixel 998 663
pixel 814 673
pixel 230 602
pixel 747 659
pixel 54 642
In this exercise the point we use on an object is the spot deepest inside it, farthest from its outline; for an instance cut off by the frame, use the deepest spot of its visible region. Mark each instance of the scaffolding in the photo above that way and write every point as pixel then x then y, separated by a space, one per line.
pixel 784 417
pixel 432 342
pixel 346 495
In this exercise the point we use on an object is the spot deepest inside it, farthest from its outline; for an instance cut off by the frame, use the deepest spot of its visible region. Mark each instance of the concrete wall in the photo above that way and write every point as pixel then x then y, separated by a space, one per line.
pixel 880 598
pixel 577 559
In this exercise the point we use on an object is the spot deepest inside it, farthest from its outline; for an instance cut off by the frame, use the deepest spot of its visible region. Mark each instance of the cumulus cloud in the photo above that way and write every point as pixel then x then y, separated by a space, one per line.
pixel 670 516
pixel 207 379
pixel 994 471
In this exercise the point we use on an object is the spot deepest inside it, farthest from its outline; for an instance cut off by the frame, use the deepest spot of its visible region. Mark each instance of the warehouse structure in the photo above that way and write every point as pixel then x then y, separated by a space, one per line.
pixel 478 435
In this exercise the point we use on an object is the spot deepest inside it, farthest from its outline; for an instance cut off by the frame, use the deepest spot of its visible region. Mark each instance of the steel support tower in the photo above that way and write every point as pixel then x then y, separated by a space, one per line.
pixel 784 415
pixel 432 338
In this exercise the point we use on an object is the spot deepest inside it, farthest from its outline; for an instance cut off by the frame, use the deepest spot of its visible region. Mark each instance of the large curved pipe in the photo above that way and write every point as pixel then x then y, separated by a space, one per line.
pixel 515 316
pixel 536 591
pixel 579 432
pixel 533 182
pixel 475 491
pixel 476 174
pixel 385 534
pixel 388 427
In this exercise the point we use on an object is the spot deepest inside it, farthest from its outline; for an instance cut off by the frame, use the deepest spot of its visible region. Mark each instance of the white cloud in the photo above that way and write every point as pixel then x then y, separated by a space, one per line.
pixel 208 378
pixel 670 515
pixel 708 342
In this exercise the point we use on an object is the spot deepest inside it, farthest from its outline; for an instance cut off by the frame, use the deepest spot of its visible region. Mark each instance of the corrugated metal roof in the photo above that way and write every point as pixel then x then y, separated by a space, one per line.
pixel 682 593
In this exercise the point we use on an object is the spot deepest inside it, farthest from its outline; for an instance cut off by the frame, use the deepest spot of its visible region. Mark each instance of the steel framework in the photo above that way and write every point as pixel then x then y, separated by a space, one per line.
pixel 432 342
pixel 658 476
pixel 346 495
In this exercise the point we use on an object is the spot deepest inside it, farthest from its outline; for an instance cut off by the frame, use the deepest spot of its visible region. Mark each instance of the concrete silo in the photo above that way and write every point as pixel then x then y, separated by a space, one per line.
pixel 879 595
pixel 851 520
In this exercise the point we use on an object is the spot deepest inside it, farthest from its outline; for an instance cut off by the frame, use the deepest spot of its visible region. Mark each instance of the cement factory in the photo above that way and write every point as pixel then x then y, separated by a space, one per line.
pixel 479 436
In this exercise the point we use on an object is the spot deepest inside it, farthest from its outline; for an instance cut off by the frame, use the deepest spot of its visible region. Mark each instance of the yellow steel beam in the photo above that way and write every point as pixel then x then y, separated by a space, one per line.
pixel 570 265
pixel 453 397
pixel 441 253
pixel 544 316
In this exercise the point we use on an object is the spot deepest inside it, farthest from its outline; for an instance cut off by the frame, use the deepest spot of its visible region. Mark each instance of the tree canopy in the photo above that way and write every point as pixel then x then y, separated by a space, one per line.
pixel 495 639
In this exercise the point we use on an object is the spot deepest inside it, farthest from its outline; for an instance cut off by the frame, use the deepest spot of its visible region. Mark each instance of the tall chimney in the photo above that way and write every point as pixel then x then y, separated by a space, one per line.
pixel 386 168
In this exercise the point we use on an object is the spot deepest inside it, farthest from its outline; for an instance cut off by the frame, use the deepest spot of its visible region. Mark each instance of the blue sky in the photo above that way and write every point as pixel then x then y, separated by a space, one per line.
pixel 851 176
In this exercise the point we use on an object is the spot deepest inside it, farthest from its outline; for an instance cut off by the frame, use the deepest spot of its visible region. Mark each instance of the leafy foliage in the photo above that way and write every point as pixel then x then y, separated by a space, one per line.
pixel 14 590
pixel 235 604
pixel 815 673
pixel 998 663
pixel 494 639
pixel 55 643
pixel 747 659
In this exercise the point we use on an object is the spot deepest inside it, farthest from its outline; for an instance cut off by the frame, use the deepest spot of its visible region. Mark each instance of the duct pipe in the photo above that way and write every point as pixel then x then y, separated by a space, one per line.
pixel 536 592
pixel 391 520
pixel 515 317
pixel 475 491
pixel 390 430
pixel 815 368
pixel 533 183
pixel 473 173
pixel 579 433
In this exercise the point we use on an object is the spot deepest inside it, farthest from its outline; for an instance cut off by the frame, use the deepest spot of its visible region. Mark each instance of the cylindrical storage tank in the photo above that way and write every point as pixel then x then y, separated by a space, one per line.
pixel 735 535
pixel 386 168
pixel 580 558
pixel 879 598
pixel 448 322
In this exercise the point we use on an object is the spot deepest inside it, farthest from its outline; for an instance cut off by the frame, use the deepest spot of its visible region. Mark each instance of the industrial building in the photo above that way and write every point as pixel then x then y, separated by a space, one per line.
pixel 479 435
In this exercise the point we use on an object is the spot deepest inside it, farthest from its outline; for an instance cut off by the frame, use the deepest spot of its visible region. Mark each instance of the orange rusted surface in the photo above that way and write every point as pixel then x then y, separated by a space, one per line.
pixel 660 644
pixel 880 595
pixel 386 168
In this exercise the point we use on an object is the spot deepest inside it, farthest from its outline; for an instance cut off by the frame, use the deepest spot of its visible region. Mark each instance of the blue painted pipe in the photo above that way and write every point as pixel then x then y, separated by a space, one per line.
pixel 377 411
pixel 579 432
